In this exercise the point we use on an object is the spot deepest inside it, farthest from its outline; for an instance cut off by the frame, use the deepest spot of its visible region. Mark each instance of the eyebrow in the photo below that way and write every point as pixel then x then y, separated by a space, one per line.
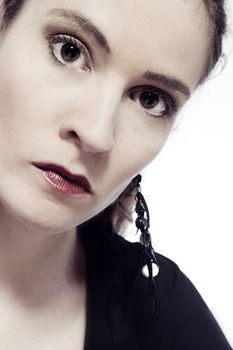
pixel 75 18
pixel 169 82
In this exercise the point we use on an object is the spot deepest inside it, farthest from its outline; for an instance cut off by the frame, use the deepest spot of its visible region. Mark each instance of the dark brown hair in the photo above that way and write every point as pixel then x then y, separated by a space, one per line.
pixel 118 213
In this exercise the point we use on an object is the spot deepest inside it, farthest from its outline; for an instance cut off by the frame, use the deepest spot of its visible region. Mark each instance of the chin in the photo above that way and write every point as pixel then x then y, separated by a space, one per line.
pixel 41 217
pixel 24 207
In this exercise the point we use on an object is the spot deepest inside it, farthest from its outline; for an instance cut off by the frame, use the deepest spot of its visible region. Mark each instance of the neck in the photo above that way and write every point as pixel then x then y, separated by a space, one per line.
pixel 35 265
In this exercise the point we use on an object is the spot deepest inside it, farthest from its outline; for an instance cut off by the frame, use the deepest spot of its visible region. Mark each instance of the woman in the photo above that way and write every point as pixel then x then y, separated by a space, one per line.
pixel 89 92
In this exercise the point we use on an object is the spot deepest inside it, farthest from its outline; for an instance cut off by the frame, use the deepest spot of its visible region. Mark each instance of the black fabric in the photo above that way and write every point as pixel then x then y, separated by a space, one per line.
pixel 119 301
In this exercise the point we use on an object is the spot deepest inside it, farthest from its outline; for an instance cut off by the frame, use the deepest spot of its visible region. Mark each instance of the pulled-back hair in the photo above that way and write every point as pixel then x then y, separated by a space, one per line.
pixel 119 212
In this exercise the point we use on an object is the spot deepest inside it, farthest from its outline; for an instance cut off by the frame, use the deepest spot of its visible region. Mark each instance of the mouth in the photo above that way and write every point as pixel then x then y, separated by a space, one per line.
pixel 63 180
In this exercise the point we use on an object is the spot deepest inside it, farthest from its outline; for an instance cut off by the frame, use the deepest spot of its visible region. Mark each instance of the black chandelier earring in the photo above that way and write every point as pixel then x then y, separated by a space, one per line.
pixel 151 266
pixel 151 269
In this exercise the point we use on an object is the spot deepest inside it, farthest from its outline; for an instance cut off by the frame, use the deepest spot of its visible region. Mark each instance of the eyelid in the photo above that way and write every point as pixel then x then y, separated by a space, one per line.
pixel 170 100
pixel 54 28
pixel 61 37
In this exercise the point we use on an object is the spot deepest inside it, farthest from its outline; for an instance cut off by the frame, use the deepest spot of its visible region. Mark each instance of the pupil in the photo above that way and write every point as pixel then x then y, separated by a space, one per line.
pixel 70 52
pixel 149 99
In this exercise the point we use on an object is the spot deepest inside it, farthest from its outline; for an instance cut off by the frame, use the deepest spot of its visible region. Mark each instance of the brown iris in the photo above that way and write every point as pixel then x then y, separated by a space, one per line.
pixel 149 99
pixel 70 52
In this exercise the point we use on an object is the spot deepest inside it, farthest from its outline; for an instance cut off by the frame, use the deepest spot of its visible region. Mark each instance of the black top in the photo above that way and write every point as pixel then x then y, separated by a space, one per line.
pixel 119 301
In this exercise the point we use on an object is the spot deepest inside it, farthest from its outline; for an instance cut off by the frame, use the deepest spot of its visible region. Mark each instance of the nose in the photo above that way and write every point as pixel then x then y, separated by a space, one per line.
pixel 92 121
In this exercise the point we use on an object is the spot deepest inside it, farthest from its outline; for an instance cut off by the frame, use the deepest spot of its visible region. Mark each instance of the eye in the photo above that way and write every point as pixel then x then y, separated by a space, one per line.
pixel 154 101
pixel 70 52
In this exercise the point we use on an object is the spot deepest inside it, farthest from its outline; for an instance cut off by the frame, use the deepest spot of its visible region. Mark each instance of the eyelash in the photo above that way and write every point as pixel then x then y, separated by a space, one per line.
pixel 171 105
pixel 66 39
pixel 170 102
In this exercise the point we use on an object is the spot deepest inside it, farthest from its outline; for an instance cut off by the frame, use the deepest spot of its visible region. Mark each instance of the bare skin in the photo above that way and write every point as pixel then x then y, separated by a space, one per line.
pixel 45 309
pixel 83 116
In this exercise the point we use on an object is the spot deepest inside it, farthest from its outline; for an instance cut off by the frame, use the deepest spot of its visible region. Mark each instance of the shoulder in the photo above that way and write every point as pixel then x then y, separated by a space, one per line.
pixel 170 272
pixel 182 321
pixel 183 318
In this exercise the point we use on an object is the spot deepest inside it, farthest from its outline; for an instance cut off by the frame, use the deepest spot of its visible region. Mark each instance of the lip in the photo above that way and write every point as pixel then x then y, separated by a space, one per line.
pixel 63 180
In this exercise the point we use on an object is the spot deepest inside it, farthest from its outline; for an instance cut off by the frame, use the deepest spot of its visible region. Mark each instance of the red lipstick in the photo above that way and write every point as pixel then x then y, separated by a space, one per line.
pixel 63 180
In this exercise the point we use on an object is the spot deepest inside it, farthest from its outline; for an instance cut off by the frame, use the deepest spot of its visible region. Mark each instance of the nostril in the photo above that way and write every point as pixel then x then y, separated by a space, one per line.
pixel 98 139
pixel 72 134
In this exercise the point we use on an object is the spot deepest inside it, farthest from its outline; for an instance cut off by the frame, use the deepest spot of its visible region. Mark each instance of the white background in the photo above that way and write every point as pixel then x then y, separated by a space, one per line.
pixel 189 190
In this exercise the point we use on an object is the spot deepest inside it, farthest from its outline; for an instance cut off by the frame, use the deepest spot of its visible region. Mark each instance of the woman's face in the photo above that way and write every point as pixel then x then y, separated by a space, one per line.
pixel 93 86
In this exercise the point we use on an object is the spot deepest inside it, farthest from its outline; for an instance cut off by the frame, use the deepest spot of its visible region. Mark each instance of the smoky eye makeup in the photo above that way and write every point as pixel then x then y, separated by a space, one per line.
pixel 69 52
pixel 70 48
pixel 55 33
pixel 154 101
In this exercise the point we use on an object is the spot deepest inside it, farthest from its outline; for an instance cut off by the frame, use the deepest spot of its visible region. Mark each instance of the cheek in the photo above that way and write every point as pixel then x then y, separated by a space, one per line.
pixel 10 113
pixel 25 99
pixel 136 145
pixel 142 137
pixel 17 125
pixel 25 105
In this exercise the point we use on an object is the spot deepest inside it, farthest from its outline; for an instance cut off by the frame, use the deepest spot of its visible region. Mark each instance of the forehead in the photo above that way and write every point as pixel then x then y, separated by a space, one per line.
pixel 169 36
